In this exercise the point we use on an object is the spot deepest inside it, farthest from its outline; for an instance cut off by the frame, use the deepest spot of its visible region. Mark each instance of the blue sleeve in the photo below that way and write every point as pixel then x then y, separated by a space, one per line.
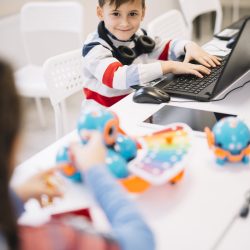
pixel 128 227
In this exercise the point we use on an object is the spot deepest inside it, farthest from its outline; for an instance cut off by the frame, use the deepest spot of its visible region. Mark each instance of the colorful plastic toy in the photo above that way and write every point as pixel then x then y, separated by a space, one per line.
pixel 137 164
pixel 68 169
pixel 117 164
pixel 229 140
pixel 99 119
pixel 164 155
pixel 121 148
pixel 125 147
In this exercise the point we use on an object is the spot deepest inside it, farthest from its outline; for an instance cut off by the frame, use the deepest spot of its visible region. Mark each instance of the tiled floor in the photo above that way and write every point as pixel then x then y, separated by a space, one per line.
pixel 35 138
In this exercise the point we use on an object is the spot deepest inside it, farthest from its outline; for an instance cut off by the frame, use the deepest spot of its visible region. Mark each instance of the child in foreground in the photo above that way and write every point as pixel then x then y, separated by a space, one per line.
pixel 128 229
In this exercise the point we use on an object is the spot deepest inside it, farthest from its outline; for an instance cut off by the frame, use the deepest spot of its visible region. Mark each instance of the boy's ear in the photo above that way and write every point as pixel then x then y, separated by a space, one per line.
pixel 99 12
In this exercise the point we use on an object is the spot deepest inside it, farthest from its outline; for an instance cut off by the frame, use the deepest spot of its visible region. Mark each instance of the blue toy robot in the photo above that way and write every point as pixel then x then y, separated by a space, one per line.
pixel 120 148
pixel 230 140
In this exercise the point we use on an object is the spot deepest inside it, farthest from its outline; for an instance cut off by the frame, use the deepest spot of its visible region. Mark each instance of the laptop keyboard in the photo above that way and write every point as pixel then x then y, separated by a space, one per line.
pixel 194 84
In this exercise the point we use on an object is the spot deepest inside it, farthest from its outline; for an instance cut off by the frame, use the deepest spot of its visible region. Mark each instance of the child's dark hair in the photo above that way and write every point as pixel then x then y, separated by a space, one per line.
pixel 10 119
pixel 118 3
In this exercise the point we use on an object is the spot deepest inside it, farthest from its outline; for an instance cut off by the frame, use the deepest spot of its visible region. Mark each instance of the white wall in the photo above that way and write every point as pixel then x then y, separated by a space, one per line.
pixel 11 46
pixel 154 8
pixel 10 38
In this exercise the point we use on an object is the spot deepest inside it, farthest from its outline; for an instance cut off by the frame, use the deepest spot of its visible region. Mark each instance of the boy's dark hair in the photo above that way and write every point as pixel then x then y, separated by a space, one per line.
pixel 118 3
pixel 10 118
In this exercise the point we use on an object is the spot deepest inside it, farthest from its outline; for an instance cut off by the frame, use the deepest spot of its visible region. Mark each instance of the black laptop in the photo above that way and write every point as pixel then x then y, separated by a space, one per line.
pixel 222 79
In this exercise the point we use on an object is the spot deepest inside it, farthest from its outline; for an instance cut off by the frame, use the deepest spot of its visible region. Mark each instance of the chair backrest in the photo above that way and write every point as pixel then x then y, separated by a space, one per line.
pixel 50 28
pixel 63 75
pixel 194 8
pixel 170 25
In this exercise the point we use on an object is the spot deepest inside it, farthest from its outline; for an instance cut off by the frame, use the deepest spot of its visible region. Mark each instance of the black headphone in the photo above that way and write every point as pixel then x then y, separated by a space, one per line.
pixel 126 55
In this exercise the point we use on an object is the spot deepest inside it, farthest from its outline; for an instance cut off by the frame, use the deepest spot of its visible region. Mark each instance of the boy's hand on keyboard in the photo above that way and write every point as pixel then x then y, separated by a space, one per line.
pixel 195 52
pixel 184 68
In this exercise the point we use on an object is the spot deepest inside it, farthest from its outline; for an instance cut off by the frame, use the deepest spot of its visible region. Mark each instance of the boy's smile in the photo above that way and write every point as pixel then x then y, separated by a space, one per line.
pixel 124 21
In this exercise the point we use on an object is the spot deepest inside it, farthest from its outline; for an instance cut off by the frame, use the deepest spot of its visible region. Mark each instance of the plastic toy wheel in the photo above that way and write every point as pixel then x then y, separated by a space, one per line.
pixel 135 184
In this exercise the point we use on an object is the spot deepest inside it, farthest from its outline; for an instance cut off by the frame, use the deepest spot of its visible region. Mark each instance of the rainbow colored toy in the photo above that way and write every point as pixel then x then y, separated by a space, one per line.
pixel 164 154
pixel 229 140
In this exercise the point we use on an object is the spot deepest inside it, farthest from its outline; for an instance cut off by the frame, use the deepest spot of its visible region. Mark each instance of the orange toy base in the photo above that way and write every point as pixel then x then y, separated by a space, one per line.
pixel 135 184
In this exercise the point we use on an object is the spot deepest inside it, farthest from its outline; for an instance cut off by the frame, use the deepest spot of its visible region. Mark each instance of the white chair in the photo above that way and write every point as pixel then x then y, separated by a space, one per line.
pixel 48 29
pixel 170 25
pixel 194 8
pixel 64 77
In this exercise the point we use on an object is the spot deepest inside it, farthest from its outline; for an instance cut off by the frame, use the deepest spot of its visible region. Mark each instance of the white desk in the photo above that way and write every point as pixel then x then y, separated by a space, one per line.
pixel 193 213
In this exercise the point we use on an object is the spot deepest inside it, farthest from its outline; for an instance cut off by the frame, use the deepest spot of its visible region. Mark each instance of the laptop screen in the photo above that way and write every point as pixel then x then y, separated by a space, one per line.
pixel 239 59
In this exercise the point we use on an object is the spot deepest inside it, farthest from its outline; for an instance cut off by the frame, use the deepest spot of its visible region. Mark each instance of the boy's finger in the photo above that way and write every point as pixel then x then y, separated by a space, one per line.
pixel 204 62
pixel 186 59
pixel 196 73
pixel 215 59
pixel 203 69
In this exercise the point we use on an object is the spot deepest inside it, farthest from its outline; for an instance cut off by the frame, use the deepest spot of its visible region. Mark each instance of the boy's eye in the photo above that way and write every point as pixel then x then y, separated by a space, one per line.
pixel 115 14
pixel 133 14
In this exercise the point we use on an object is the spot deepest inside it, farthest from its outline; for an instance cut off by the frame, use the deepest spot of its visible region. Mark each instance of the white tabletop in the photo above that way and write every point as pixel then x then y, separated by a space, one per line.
pixel 193 213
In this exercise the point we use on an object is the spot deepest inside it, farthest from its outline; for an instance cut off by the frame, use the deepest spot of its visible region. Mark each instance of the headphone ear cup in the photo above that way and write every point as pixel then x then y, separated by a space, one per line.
pixel 126 54
pixel 145 44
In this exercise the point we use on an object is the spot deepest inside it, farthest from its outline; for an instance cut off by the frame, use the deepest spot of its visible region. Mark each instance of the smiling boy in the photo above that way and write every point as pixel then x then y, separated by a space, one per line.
pixel 119 54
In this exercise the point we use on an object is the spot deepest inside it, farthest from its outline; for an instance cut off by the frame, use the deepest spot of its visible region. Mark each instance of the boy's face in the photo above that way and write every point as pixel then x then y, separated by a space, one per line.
pixel 124 21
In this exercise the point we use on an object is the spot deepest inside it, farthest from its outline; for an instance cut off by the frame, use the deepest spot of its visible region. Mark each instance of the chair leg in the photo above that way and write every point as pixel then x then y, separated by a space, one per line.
pixel 213 17
pixel 58 121
pixel 64 115
pixel 198 27
pixel 40 112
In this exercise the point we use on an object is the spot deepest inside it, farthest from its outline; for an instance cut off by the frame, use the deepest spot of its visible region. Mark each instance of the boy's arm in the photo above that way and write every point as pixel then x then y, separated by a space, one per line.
pixel 100 63
pixel 128 227
pixel 168 50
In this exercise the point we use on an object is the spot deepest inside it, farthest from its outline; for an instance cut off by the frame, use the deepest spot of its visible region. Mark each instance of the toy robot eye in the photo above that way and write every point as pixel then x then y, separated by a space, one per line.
pixel 111 131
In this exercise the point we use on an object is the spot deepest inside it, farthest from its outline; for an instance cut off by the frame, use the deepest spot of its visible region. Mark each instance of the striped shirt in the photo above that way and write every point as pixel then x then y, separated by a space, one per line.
pixel 107 80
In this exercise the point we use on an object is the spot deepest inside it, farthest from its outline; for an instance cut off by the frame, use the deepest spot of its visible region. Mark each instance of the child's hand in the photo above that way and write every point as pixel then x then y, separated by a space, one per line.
pixel 195 52
pixel 38 186
pixel 87 156
pixel 184 68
